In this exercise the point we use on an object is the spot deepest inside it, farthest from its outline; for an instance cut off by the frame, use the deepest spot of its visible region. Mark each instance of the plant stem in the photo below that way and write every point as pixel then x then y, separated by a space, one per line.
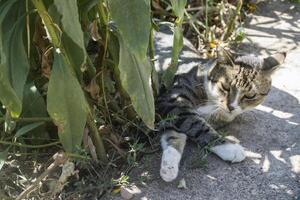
pixel 77 156
pixel 28 29
pixel 104 18
pixel 98 142
pixel 231 24
pixel 155 79
pixel 29 146
pixel 206 19
pixel 29 119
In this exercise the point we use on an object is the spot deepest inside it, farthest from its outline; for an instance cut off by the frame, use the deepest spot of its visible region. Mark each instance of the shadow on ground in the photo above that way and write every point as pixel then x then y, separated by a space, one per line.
pixel 275 26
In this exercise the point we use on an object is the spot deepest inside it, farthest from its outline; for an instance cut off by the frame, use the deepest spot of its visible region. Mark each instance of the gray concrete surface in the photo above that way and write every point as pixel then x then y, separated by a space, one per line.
pixel 271 133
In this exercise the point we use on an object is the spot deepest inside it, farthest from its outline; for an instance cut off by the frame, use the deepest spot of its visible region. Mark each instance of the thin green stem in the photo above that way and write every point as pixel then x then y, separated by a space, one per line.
pixel 28 119
pixel 28 29
pixel 231 24
pixel 77 156
pixel 98 142
pixel 151 47
pixel 28 145
pixel 104 18
pixel 206 19
pixel 155 79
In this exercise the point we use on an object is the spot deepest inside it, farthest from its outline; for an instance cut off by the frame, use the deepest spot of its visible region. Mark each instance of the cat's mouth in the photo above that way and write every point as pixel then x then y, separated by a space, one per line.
pixel 227 112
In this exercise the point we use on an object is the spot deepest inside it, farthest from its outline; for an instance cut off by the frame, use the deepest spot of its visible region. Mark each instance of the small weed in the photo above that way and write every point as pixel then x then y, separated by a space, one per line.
pixel 121 181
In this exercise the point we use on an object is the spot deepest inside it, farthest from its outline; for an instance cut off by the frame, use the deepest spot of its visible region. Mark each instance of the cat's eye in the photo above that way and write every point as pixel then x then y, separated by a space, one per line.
pixel 223 87
pixel 250 97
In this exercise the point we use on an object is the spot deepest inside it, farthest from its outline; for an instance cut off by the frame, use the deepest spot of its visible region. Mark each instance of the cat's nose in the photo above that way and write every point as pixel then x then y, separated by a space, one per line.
pixel 230 108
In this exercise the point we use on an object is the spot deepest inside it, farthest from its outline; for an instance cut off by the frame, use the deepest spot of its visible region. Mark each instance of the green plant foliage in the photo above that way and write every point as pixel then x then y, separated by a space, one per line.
pixel 66 104
pixel 135 74
pixel 34 106
pixel 46 74
pixel 177 46
pixel 134 66
pixel 133 22
pixel 86 5
pixel 74 68
pixel 178 8
pixel 3 156
pixel 25 129
pixel 72 35
pixel 14 66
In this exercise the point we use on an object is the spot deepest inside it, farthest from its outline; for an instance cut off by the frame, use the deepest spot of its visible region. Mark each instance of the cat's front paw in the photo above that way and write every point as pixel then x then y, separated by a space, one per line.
pixel 169 164
pixel 230 152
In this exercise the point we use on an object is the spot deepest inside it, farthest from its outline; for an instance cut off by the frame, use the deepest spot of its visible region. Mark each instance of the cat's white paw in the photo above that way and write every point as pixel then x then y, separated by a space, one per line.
pixel 230 152
pixel 169 164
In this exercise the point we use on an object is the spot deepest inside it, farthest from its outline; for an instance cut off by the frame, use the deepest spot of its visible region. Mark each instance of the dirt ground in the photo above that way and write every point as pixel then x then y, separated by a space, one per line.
pixel 270 133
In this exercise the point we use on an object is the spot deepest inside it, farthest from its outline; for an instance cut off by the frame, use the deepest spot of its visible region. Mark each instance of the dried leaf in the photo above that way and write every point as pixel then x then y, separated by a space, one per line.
pixel 94 31
pixel 182 184
pixel 251 7
pixel 113 138
pixel 42 44
pixel 107 132
pixel 68 170
pixel 93 88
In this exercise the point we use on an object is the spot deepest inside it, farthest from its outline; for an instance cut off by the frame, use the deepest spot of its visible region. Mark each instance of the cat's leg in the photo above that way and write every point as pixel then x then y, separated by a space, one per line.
pixel 173 144
pixel 229 152
pixel 203 133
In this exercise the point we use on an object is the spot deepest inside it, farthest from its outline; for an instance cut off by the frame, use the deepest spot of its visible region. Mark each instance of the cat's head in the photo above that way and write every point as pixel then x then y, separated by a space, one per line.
pixel 241 83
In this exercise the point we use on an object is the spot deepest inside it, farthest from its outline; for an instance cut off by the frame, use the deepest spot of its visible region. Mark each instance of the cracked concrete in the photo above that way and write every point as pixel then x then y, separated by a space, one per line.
pixel 270 133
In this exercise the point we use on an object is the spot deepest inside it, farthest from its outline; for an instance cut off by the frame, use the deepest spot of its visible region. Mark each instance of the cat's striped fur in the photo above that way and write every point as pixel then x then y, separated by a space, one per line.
pixel 207 95
pixel 180 102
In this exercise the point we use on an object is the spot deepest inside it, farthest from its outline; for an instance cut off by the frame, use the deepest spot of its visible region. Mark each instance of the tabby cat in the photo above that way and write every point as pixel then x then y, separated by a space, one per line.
pixel 205 96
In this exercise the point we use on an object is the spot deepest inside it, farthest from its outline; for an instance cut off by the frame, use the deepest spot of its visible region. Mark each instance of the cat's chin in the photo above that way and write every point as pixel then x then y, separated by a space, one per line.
pixel 223 115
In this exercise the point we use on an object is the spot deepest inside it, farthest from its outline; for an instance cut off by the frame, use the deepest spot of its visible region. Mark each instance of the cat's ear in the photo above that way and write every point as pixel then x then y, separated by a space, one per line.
pixel 211 65
pixel 271 63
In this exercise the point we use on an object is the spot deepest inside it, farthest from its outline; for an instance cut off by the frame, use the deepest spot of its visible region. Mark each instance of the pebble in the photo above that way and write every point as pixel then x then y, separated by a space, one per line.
pixel 128 192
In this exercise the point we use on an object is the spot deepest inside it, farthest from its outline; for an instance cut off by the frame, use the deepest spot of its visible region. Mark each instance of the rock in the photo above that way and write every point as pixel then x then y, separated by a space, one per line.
pixel 128 192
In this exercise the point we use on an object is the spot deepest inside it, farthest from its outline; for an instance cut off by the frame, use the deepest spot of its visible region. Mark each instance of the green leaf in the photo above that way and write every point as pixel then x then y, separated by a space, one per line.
pixel 14 66
pixel 66 104
pixel 33 102
pixel 86 5
pixel 25 129
pixel 3 156
pixel 70 20
pixel 133 22
pixel 135 74
pixel 72 36
pixel 178 7
pixel 34 106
